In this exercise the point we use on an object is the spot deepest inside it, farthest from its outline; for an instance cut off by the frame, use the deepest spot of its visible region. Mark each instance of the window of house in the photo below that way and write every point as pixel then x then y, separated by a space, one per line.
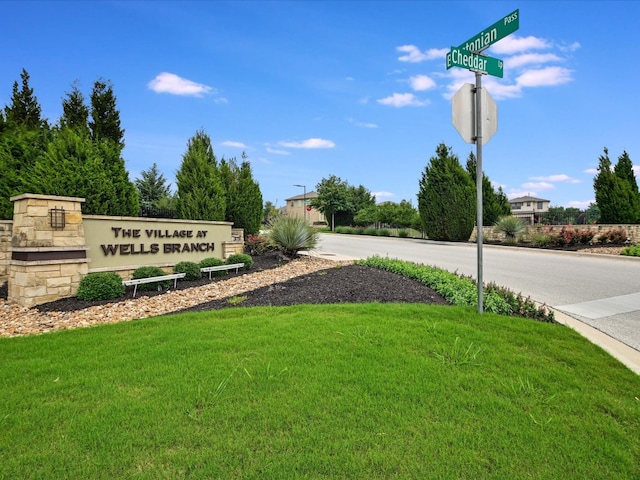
pixel 291 203
pixel 517 205
pixel 539 206
pixel 528 204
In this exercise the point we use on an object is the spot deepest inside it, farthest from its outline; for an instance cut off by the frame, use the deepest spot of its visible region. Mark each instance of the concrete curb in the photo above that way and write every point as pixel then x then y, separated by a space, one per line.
pixel 630 357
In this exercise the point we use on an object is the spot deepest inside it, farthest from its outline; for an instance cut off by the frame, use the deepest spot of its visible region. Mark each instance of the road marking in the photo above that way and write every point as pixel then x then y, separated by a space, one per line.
pixel 605 307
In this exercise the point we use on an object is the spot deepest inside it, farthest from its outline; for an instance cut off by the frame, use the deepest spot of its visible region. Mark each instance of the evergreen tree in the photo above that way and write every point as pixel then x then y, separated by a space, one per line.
pixel 446 198
pixel 200 192
pixel 105 117
pixel 152 187
pixel 616 192
pixel 269 213
pixel 75 114
pixel 494 204
pixel 248 211
pixel 24 110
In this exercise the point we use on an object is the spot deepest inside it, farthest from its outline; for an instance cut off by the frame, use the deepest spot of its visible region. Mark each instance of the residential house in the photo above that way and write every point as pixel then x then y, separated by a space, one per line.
pixel 529 209
pixel 299 206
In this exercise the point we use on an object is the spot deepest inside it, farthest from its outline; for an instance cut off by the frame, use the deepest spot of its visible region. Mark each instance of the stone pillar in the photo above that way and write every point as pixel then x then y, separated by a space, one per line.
pixel 5 249
pixel 48 251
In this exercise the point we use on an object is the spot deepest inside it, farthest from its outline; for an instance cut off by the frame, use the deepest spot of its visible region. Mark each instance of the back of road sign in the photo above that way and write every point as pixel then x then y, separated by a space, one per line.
pixel 463 112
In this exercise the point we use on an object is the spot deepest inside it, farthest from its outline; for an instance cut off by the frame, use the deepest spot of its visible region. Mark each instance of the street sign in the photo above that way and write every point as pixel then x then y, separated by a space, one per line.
pixel 463 114
pixel 458 57
pixel 503 27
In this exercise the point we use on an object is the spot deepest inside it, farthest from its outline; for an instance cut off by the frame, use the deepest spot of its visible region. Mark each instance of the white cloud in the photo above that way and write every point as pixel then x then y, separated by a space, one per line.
pixel 556 178
pixel 310 143
pixel 414 55
pixel 582 205
pixel 544 77
pixel 362 124
pixel 518 61
pixel 171 83
pixel 570 48
pixel 380 195
pixel 514 44
pixel 592 171
pixel 230 143
pixel 539 186
pixel 421 82
pixel 277 152
pixel 402 100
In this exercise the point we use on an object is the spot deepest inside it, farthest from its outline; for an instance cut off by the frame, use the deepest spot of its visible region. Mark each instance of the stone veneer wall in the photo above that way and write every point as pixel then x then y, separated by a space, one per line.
pixel 633 231
pixel 5 248
pixel 46 263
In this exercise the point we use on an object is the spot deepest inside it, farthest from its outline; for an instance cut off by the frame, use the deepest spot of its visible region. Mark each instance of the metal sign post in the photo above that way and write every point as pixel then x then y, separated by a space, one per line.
pixel 470 122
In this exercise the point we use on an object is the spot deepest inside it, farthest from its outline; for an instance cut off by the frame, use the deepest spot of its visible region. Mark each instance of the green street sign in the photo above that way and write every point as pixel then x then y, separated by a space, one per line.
pixel 503 27
pixel 458 57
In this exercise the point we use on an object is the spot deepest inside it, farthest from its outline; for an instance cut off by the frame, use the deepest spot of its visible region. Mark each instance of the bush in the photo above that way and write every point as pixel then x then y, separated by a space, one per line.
pixel 542 239
pixel 191 269
pixel 210 262
pixel 370 231
pixel 148 272
pixel 100 286
pixel 240 258
pixel 254 245
pixel 290 235
pixel 631 251
pixel 511 226
pixel 616 236
pixel 384 232
pixel 403 233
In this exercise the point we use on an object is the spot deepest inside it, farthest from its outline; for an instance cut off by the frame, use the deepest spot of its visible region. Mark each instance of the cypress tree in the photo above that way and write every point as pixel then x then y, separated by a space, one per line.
pixel 152 187
pixel 75 114
pixel 446 198
pixel 494 204
pixel 24 110
pixel 105 117
pixel 616 191
pixel 200 192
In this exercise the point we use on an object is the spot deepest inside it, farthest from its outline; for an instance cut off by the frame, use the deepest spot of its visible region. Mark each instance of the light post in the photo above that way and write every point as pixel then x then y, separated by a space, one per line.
pixel 304 201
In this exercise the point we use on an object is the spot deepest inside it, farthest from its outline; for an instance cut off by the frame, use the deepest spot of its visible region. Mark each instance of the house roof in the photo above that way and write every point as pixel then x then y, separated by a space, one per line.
pixel 528 199
pixel 302 196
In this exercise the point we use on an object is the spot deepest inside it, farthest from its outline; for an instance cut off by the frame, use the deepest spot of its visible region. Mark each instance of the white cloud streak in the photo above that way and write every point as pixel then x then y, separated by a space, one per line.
pixel 402 100
pixel 561 178
pixel 421 83
pixel 514 44
pixel 414 55
pixel 173 84
pixel 310 143
pixel 230 143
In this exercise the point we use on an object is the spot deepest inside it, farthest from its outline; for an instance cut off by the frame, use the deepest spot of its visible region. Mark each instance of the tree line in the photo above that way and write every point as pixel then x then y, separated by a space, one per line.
pixel 81 156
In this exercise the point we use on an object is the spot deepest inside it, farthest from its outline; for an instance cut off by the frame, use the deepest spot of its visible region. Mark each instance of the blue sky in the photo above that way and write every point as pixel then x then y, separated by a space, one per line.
pixel 357 89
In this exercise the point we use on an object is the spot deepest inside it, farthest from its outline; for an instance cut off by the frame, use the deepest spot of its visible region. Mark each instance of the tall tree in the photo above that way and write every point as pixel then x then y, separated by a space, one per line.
pixel 200 192
pixel 24 110
pixel 332 198
pixel 152 187
pixel 446 198
pixel 494 204
pixel 105 117
pixel 616 191
pixel 358 198
pixel 248 212
pixel 75 114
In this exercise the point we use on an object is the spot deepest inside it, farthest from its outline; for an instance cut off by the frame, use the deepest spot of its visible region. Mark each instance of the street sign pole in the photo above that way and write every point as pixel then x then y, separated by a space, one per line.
pixel 479 175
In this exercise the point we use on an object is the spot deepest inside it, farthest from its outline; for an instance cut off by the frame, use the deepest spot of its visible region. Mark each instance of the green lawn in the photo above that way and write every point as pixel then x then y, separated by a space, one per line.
pixel 331 391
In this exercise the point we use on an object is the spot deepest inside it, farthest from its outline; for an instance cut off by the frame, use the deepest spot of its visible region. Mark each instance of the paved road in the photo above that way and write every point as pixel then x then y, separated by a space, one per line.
pixel 602 291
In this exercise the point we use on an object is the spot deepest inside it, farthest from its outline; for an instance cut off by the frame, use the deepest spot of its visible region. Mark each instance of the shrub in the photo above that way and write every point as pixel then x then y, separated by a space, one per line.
pixel 254 245
pixel 403 233
pixel 100 286
pixel 290 235
pixel 191 269
pixel 211 262
pixel 617 236
pixel 631 251
pixel 147 272
pixel 384 232
pixel 571 236
pixel 370 231
pixel 240 258
pixel 511 226
pixel 541 239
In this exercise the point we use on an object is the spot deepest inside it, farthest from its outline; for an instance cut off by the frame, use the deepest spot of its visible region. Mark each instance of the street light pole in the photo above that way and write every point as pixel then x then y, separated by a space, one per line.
pixel 304 201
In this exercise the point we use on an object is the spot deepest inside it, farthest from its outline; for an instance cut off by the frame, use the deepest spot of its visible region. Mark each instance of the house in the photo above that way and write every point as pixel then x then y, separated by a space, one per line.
pixel 529 209
pixel 298 207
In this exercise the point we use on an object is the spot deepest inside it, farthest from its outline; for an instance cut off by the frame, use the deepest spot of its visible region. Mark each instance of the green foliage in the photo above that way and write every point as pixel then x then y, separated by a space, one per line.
pixel 370 231
pixel 494 204
pixel 200 192
pixel 191 269
pixel 211 262
pixel 100 286
pixel 383 232
pixel 446 200
pixel 105 117
pixel 24 110
pixel 616 190
pixel 240 258
pixel 291 235
pixel 148 272
pixel 631 251
pixel 403 233
pixel 461 290
pixel 75 114
pixel 541 239
pixel 152 187
pixel 243 196
pixel 332 198
pixel 511 227
pixel 269 213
